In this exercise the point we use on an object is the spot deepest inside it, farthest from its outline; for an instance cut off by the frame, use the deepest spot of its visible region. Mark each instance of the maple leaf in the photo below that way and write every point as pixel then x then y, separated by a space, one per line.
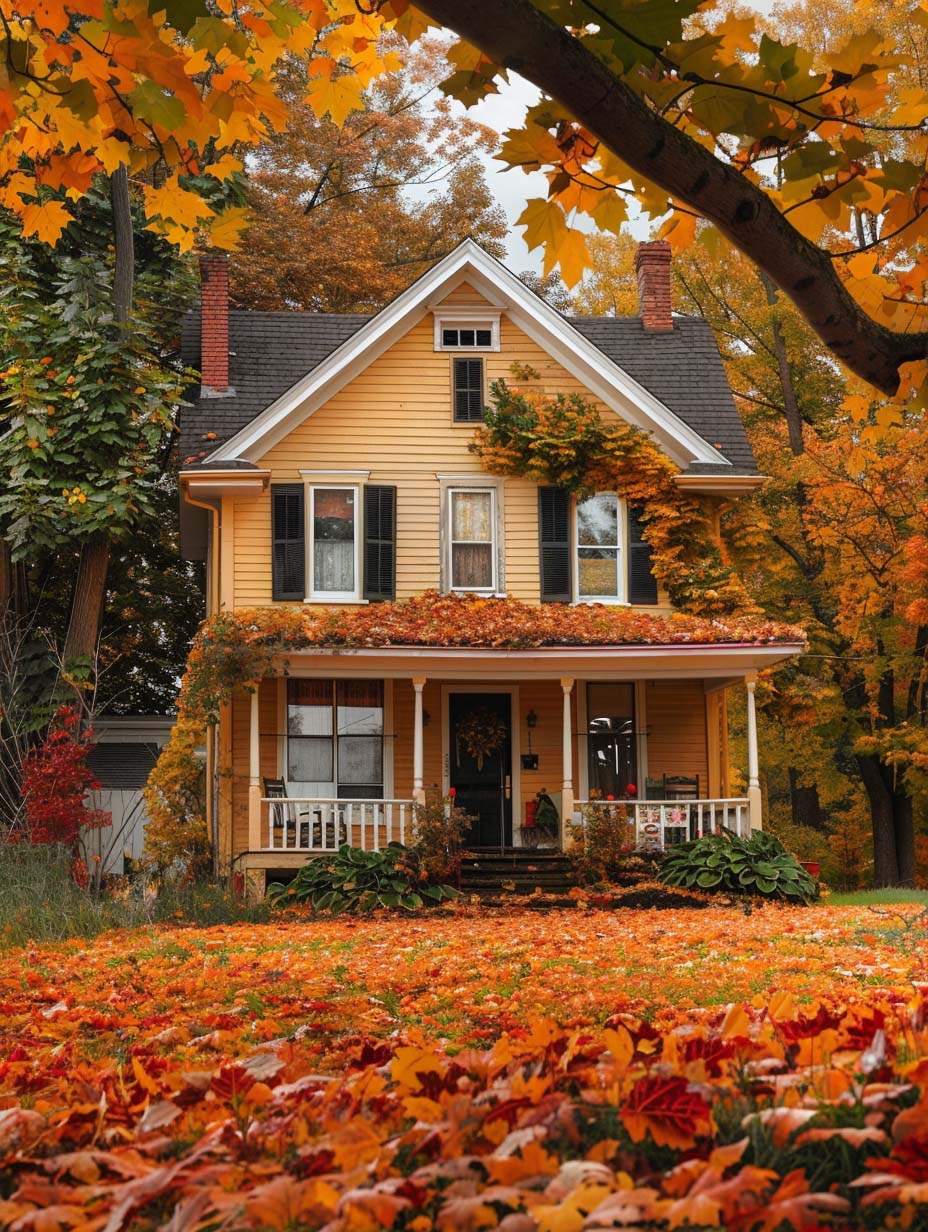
pixel 668 1111
pixel 46 220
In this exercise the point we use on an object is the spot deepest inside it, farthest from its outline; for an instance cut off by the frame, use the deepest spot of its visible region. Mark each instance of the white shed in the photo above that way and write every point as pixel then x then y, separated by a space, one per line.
pixel 126 749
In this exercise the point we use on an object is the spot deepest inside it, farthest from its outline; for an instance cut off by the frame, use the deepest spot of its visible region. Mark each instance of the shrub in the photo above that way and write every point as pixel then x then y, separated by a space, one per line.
pixel 725 863
pixel 56 780
pixel 439 837
pixel 604 842
pixel 359 881
pixel 175 797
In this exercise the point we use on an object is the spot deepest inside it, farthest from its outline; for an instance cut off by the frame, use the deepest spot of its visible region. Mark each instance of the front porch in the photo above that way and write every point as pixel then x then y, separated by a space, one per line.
pixel 341 746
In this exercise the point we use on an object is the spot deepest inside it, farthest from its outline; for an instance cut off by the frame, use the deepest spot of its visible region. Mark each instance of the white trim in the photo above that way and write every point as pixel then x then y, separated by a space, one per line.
pixel 452 316
pixel 331 596
pixel 641 732
pixel 388 736
pixel 473 483
pixel 493 541
pixel 389 739
pixel 678 662
pixel 733 485
pixel 604 378
pixel 621 549
pixel 515 741
pixel 357 476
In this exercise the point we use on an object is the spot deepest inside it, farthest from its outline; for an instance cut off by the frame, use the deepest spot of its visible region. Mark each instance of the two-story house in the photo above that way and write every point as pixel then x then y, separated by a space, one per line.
pixel 326 462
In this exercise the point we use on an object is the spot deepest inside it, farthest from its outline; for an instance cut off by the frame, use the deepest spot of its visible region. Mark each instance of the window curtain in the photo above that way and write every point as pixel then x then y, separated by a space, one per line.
pixel 333 540
pixel 472 540
pixel 310 756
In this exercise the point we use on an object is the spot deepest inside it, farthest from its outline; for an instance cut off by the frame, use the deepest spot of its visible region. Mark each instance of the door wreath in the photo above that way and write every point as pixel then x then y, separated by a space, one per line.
pixel 480 735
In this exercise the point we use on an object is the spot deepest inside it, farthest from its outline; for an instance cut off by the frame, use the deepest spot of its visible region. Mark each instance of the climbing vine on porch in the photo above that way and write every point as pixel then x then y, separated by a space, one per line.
pixel 234 650
pixel 564 441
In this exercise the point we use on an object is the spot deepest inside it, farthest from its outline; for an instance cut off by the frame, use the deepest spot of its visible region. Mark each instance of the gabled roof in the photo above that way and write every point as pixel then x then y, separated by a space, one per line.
pixel 284 365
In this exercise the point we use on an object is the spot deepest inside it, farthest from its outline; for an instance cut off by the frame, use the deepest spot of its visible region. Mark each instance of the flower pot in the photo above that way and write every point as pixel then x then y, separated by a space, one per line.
pixel 812 867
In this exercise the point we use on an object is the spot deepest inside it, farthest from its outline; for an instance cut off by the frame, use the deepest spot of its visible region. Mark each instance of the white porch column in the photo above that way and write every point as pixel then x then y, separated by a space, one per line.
pixel 754 796
pixel 567 758
pixel 255 838
pixel 418 756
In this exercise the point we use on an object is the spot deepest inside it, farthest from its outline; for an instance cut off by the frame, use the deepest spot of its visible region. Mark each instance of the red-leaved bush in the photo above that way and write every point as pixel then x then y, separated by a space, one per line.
pixel 56 780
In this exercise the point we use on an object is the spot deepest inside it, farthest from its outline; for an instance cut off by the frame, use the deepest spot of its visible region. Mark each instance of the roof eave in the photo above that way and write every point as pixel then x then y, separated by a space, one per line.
pixel 724 485
pixel 539 320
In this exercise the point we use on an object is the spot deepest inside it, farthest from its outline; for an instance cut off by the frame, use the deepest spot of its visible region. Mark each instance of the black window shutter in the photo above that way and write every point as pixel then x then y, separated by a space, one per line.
pixel 468 390
pixel 554 544
pixel 379 542
pixel 288 541
pixel 642 584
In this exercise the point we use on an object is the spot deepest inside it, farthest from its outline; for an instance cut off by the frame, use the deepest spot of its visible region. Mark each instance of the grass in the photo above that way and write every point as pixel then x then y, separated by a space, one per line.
pixel 40 901
pixel 876 898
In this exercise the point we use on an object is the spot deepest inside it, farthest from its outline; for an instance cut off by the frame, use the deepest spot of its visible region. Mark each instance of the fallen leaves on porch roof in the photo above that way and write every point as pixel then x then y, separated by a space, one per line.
pixel 433 619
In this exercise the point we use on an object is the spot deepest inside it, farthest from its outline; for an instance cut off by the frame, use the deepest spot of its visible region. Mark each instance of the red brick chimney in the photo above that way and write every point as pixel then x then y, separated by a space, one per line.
pixel 652 265
pixel 214 322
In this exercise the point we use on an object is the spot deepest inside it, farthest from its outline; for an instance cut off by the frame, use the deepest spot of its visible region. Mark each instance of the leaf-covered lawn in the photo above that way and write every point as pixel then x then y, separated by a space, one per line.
pixel 600 1069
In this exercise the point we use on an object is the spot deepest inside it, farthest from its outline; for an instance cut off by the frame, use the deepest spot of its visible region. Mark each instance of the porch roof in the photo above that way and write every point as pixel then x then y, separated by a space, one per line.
pixel 719 665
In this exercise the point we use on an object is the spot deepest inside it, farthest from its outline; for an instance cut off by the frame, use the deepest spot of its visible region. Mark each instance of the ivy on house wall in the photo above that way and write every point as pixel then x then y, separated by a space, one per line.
pixel 565 442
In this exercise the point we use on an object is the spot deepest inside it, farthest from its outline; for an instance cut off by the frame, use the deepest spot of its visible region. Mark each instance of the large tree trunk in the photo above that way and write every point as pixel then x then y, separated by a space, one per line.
pixel 806 806
pixel 893 826
pixel 90 584
pixel 87 602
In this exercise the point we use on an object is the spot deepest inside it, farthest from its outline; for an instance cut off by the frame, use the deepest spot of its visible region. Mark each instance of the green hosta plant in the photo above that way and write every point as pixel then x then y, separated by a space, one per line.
pixel 729 864
pixel 358 881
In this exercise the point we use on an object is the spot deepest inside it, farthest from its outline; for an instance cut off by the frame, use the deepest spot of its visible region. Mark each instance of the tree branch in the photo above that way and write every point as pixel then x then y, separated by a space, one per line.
pixel 526 41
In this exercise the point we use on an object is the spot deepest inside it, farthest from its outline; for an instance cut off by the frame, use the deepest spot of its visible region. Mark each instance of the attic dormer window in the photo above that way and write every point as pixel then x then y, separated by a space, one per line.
pixel 467 329
pixel 454 338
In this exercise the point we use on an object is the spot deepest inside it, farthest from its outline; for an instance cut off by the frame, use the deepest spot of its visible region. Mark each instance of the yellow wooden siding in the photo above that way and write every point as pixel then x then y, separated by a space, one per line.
pixel 676 724
pixel 395 420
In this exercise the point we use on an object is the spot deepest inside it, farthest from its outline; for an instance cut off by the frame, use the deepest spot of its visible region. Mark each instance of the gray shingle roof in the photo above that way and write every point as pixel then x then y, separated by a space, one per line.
pixel 271 351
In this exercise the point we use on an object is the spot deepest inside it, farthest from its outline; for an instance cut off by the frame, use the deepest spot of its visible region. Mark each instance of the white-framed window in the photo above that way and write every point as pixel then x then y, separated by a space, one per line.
pixel 599 549
pixel 472 539
pixel 467 329
pixel 335 738
pixel 333 546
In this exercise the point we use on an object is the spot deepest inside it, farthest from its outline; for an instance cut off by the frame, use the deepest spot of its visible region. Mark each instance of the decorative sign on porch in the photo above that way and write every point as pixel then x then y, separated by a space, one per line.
pixel 481 734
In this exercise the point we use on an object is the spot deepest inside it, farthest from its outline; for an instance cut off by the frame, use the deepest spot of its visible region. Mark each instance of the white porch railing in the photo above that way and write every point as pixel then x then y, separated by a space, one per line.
pixel 659 823
pixel 309 825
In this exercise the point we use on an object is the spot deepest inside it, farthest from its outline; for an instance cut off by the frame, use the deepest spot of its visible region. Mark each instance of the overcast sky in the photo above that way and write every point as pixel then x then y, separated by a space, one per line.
pixel 511 188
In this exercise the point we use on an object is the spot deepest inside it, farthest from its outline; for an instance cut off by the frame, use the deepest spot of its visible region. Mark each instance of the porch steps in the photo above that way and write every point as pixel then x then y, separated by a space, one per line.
pixel 492 873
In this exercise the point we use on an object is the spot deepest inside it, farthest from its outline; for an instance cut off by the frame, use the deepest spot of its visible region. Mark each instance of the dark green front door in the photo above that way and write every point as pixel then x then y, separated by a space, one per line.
pixel 480 756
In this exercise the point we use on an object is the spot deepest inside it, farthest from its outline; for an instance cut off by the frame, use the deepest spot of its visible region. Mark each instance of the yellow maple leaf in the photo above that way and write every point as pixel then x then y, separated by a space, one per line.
pixel 46 220
pixel 228 227
pixel 544 223
pixel 409 1063
pixel 572 255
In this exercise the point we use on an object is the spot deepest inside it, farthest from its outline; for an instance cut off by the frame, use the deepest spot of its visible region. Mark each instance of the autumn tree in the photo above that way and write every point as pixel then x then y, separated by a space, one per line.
pixel 833 540
pixel 704 116
pixel 345 216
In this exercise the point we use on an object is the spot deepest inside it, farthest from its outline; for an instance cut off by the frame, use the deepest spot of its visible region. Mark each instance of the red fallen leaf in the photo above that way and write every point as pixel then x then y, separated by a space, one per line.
pixel 232 1082
pixel 668 1110
pixel 909 1159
